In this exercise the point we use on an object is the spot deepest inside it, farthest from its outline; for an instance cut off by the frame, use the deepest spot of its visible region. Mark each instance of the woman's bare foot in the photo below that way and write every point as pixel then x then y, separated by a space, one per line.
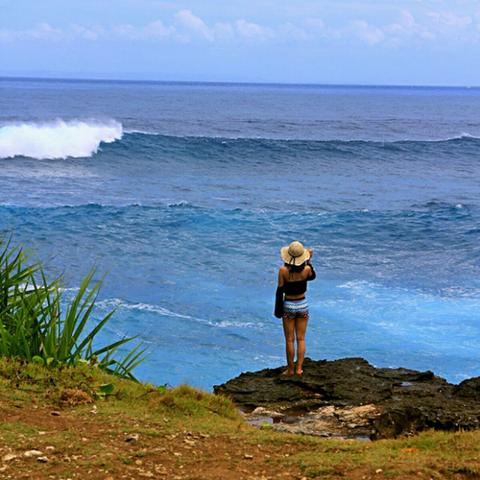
pixel 288 372
pixel 299 372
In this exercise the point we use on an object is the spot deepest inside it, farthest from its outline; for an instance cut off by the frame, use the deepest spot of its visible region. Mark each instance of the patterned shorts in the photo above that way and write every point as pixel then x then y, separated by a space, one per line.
pixel 293 309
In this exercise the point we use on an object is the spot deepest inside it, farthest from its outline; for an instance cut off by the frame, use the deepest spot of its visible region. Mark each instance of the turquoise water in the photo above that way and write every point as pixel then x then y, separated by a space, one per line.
pixel 183 195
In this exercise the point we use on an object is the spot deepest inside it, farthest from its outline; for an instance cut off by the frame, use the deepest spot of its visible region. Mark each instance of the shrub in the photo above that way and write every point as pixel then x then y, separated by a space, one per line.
pixel 36 325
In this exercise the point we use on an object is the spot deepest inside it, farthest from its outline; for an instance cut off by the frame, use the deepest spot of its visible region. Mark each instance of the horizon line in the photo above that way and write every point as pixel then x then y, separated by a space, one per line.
pixel 226 83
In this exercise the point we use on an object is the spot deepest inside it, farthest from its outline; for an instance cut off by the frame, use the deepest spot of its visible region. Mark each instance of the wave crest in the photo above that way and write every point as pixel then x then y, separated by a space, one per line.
pixel 58 139
pixel 225 140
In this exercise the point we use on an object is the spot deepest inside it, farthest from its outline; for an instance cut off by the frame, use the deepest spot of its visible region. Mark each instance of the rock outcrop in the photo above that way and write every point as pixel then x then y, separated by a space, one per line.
pixel 351 398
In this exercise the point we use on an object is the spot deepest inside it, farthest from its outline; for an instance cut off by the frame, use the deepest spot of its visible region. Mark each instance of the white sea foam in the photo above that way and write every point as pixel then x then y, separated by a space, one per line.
pixel 145 307
pixel 461 136
pixel 116 303
pixel 58 139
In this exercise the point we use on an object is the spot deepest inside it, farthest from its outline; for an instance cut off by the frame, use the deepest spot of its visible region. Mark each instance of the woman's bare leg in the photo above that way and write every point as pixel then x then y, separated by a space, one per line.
pixel 300 329
pixel 289 332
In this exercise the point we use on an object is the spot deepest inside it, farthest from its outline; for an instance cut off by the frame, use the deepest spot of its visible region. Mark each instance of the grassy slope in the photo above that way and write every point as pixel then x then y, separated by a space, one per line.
pixel 185 433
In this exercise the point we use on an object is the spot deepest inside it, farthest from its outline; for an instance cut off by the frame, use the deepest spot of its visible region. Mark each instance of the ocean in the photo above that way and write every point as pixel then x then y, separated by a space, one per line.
pixel 181 195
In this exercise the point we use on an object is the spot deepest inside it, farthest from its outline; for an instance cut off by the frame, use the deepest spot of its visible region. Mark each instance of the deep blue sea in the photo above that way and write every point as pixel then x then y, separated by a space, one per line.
pixel 182 195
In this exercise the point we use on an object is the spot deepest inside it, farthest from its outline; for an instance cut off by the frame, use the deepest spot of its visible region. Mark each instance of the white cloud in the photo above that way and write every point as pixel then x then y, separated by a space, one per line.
pixel 290 31
pixel 41 31
pixel 250 30
pixel 92 33
pixel 126 30
pixel 445 26
pixel 406 28
pixel 186 27
pixel 366 32
pixel 45 31
pixel 194 24
pixel 158 29
pixel 242 29
pixel 224 30
pixel 450 19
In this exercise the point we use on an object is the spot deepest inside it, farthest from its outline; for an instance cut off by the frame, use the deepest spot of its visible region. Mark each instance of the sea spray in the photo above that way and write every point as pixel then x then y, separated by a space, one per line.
pixel 58 139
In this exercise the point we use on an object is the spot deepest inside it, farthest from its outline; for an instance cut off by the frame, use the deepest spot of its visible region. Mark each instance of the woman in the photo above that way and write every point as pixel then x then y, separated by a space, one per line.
pixel 290 303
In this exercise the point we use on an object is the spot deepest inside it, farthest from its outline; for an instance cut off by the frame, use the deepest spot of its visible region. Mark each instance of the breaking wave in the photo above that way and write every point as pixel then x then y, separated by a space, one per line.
pixel 57 139
pixel 83 138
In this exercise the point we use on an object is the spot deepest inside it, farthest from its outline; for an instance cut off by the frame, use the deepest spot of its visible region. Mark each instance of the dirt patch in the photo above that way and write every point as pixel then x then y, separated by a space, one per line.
pixel 71 397
pixel 81 446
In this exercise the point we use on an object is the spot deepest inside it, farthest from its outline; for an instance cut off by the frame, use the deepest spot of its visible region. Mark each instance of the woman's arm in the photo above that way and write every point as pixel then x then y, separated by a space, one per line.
pixel 312 275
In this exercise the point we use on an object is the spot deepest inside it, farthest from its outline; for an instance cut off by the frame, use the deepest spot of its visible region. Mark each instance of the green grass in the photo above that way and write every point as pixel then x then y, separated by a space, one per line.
pixel 24 380
pixel 440 454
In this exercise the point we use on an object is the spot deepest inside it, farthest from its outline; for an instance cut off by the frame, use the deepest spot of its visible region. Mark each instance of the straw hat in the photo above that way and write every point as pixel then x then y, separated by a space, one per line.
pixel 294 254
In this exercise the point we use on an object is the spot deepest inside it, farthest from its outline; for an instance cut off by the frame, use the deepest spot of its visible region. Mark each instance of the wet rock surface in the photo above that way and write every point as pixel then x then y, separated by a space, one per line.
pixel 351 398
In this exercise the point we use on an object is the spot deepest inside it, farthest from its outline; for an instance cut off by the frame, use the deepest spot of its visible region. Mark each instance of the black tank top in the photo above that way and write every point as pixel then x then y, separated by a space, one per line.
pixel 295 288
pixel 299 286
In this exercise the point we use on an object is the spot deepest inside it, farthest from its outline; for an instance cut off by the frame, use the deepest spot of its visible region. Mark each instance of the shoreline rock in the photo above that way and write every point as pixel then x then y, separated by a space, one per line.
pixel 350 398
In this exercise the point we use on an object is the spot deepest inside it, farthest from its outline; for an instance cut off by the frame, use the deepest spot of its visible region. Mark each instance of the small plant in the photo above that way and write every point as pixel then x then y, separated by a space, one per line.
pixel 104 390
pixel 34 324
pixel 162 388
pixel 266 426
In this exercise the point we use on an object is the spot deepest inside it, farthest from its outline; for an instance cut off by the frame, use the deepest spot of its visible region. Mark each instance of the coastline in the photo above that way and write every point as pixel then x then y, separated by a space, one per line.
pixel 349 398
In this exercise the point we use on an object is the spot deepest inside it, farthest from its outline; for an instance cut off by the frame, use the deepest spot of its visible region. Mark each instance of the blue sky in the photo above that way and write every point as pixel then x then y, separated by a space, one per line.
pixel 416 42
